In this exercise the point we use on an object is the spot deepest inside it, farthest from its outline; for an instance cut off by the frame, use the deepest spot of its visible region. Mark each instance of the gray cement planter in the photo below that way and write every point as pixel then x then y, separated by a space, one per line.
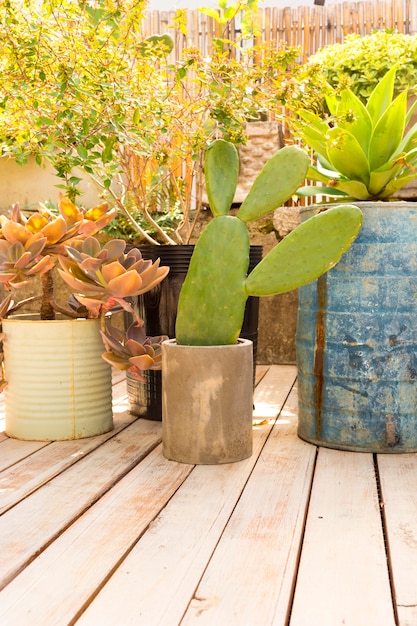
pixel 207 402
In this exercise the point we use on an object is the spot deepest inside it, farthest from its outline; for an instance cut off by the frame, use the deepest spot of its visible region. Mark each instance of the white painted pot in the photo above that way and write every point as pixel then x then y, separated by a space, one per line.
pixel 207 402
pixel 58 387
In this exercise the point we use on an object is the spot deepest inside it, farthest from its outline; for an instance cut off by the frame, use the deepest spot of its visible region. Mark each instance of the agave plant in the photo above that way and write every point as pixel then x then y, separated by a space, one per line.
pixel 102 277
pixel 364 151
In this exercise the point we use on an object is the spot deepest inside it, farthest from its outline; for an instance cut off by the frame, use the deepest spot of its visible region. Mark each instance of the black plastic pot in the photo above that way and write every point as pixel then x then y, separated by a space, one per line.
pixel 158 309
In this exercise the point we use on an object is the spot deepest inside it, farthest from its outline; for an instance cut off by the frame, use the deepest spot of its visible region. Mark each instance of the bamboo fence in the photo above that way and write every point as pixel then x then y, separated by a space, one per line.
pixel 309 28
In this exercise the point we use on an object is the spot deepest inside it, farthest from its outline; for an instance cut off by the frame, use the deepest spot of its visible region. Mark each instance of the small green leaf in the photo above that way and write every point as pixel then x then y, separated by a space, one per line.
pixel 82 151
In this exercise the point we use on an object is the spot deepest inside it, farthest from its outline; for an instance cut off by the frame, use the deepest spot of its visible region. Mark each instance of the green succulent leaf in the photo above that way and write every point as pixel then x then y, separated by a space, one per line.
pixel 307 252
pixel 388 133
pixel 356 119
pixel 308 191
pixel 347 156
pixel 380 179
pixel 381 97
pixel 395 185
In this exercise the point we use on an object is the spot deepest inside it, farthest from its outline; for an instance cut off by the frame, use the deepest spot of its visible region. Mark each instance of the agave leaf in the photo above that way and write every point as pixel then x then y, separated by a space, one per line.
pixel 356 120
pixel 314 121
pixel 314 132
pixel 347 156
pixel 388 133
pixel 326 166
pixel 410 112
pixel 309 190
pixel 379 179
pixel 353 188
pixel 395 185
pixel 313 173
pixel 332 102
pixel 381 97
pixel 410 139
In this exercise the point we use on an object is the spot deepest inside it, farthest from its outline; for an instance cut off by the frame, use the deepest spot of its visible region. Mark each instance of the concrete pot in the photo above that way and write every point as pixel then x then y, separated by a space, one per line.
pixel 207 402
pixel 58 387
pixel 158 309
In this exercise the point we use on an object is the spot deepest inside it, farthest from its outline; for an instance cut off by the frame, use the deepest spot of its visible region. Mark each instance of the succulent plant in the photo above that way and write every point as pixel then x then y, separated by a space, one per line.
pixel 364 151
pixel 213 297
pixel 133 350
pixel 102 277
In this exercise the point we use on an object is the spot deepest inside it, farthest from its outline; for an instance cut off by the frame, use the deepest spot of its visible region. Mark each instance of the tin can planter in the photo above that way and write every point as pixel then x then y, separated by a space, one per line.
pixel 207 402
pixel 357 339
pixel 58 387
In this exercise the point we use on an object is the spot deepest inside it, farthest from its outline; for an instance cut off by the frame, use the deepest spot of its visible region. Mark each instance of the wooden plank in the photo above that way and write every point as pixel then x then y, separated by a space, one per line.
pixel 54 587
pixel 398 475
pixel 261 370
pixel 14 450
pixel 273 390
pixel 159 576
pixel 250 578
pixel 30 526
pixel 46 461
pixel 343 574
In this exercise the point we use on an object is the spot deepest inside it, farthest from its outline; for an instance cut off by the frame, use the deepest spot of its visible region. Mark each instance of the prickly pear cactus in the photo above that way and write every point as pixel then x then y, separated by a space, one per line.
pixel 213 297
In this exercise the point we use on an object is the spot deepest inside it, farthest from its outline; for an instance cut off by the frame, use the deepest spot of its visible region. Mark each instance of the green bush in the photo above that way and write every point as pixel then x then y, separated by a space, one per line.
pixel 359 63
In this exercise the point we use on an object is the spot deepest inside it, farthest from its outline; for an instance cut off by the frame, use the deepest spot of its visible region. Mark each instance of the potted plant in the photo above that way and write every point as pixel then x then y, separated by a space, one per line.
pixel 207 369
pixel 356 339
pixel 58 386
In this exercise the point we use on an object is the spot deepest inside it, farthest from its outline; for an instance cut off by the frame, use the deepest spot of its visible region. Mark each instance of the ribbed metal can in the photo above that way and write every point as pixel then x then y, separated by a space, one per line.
pixel 357 339
pixel 58 387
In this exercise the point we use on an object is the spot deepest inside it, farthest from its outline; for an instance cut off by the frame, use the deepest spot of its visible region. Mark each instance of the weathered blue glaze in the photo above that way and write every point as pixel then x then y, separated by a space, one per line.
pixel 357 339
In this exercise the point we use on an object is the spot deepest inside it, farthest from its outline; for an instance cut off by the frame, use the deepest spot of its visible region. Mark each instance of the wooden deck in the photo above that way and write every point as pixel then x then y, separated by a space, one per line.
pixel 105 531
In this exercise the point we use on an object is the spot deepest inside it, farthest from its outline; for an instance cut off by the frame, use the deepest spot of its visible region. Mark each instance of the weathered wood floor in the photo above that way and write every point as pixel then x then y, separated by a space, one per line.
pixel 105 531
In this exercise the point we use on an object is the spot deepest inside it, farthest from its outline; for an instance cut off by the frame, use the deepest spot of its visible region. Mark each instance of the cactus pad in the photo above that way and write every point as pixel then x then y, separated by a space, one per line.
pixel 310 250
pixel 221 169
pixel 213 297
